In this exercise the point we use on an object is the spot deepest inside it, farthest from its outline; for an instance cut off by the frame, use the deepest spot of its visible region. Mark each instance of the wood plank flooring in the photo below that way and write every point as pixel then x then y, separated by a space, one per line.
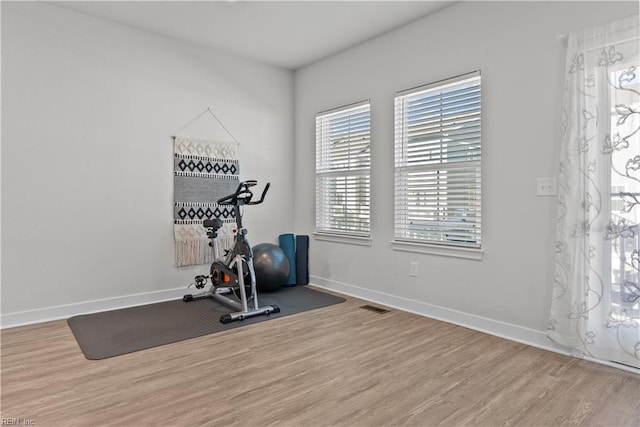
pixel 336 366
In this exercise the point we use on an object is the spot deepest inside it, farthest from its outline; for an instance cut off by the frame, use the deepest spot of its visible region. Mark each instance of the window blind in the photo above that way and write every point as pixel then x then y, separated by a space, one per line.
pixel 343 157
pixel 438 162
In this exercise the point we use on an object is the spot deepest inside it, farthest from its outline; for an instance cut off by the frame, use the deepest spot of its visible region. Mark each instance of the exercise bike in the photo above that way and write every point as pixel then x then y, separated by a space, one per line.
pixel 229 275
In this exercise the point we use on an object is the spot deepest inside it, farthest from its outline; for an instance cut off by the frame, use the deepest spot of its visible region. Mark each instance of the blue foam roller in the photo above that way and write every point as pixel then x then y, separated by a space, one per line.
pixel 288 245
pixel 302 260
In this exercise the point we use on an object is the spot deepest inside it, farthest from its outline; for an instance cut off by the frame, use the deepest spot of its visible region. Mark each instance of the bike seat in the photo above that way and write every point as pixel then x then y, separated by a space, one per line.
pixel 214 223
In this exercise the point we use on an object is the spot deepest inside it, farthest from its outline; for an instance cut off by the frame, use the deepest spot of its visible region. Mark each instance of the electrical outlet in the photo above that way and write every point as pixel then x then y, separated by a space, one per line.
pixel 546 187
pixel 413 269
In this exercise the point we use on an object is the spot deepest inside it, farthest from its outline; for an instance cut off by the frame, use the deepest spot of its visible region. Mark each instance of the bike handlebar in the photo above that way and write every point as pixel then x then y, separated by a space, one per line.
pixel 243 195
pixel 264 193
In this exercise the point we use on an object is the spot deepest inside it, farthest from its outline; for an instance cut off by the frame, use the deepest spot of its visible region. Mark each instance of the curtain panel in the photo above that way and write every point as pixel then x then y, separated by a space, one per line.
pixel 596 297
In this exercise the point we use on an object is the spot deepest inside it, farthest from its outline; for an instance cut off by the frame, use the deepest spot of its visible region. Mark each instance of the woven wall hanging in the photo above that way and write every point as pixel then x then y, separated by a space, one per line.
pixel 204 171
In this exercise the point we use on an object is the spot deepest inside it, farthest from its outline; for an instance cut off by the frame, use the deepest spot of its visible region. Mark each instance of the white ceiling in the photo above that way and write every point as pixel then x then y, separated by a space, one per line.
pixel 289 34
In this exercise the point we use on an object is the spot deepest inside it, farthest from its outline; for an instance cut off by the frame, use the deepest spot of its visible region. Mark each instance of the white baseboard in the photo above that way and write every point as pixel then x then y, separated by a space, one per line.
pixel 497 328
pixel 12 320
pixel 482 324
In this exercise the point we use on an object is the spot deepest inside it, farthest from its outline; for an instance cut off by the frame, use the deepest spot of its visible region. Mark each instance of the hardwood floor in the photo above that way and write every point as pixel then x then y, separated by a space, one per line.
pixel 339 365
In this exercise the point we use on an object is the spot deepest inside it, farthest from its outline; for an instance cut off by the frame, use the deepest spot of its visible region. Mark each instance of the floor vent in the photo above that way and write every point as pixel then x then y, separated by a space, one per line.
pixel 375 309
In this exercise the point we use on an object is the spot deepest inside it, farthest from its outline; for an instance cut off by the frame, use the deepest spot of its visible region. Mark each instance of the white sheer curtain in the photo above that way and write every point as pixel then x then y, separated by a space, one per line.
pixel 596 295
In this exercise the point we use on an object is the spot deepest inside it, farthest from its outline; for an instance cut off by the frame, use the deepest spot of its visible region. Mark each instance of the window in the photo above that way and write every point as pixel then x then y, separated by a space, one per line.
pixel 437 163
pixel 624 229
pixel 343 157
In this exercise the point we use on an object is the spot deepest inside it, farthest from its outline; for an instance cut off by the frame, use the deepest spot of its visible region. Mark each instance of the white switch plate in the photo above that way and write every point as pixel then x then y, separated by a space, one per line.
pixel 546 187
pixel 413 269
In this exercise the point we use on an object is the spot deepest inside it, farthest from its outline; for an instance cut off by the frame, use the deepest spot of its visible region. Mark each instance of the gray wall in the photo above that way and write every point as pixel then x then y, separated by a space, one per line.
pixel 89 107
pixel 515 46
pixel 87 186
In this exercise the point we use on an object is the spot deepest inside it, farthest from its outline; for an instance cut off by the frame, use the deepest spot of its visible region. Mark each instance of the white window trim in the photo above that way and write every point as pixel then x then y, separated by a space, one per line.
pixel 363 239
pixel 342 238
pixel 430 248
pixel 449 249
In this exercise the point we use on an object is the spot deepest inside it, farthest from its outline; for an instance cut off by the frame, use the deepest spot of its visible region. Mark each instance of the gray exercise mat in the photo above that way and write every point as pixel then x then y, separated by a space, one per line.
pixel 112 333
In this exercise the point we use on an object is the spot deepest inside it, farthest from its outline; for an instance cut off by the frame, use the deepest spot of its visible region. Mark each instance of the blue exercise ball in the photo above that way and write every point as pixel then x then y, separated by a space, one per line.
pixel 271 266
